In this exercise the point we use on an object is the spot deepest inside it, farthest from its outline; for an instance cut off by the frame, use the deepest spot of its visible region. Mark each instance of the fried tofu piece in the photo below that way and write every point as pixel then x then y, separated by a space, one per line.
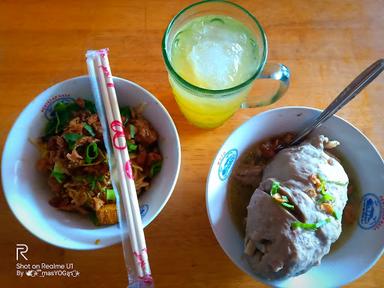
pixel 107 215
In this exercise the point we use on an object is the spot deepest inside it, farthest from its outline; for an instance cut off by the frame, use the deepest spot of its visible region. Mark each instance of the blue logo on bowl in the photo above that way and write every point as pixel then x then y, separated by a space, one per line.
pixel 143 210
pixel 371 211
pixel 50 104
pixel 226 164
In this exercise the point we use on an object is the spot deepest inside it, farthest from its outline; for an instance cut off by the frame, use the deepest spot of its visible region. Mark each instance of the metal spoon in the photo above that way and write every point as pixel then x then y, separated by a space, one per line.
pixel 354 88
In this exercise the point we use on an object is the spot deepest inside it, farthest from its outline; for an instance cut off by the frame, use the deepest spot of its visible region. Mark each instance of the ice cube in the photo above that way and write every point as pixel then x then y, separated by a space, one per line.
pixel 216 61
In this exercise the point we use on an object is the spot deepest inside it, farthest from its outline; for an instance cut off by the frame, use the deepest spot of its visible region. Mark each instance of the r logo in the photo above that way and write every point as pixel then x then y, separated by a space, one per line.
pixel 21 249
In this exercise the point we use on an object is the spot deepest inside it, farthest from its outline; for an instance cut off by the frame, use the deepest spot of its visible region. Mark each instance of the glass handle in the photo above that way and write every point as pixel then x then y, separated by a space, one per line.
pixel 273 71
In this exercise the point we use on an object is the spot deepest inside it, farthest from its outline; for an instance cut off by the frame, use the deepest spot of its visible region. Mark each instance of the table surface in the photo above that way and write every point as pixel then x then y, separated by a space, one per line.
pixel 324 43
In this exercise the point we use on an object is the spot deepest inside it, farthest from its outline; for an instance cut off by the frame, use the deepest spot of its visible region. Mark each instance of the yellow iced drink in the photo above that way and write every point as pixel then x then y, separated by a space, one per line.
pixel 215 53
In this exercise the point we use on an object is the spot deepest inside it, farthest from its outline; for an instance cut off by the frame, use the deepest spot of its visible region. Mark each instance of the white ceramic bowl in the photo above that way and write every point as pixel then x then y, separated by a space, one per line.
pixel 360 251
pixel 26 189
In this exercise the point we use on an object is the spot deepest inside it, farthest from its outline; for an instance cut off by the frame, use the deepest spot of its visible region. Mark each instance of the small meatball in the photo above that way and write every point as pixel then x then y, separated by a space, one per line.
pixel 43 165
pixel 54 185
pixel 141 158
pixel 267 150
pixel 80 102
pixel 249 174
pixel 92 119
pixel 152 158
pixel 56 143
pixel 145 135
pixel 97 170
pixel 52 156
pixel 83 115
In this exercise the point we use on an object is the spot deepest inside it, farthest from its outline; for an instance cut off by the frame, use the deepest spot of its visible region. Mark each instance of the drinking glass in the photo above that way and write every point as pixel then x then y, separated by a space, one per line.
pixel 208 108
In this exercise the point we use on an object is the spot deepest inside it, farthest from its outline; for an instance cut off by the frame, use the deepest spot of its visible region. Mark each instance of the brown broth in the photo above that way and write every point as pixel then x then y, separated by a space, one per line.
pixel 239 196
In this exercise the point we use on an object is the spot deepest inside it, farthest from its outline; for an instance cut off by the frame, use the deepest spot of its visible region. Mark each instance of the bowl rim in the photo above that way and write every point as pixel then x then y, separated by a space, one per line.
pixel 89 246
pixel 208 180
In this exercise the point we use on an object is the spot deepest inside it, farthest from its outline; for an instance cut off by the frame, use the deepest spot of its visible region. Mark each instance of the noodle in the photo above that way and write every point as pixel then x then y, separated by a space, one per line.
pixel 73 156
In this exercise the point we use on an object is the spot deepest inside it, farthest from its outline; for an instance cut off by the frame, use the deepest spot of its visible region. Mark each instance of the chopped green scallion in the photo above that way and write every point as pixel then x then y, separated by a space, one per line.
pixel 132 131
pixel 71 139
pixel 91 181
pixel 287 205
pixel 131 147
pixel 90 106
pixel 275 187
pixel 309 226
pixel 155 168
pixel 57 122
pixel 58 172
pixel 91 152
pixel 126 112
pixel 94 219
pixel 336 215
pixel 89 129
pixel 323 188
pixel 326 198
pixel 110 195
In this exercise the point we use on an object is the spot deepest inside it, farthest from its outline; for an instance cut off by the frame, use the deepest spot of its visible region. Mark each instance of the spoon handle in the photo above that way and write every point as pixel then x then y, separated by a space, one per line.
pixel 354 88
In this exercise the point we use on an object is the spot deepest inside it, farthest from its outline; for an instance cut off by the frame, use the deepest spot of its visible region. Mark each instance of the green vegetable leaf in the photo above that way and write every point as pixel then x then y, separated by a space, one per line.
pixel 70 107
pixel 322 186
pixel 91 181
pixel 57 126
pixel 131 147
pixel 62 113
pixel 155 168
pixel 288 205
pixel 71 139
pixel 110 195
pixel 58 172
pixel 51 127
pixel 89 129
pixel 58 176
pixel 132 131
pixel 336 215
pixel 126 112
pixel 90 106
pixel 326 198
pixel 94 219
pixel 309 226
pixel 91 152
pixel 275 187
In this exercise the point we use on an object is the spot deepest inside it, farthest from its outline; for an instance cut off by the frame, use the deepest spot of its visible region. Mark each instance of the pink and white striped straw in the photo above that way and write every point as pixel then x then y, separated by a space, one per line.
pixel 133 240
